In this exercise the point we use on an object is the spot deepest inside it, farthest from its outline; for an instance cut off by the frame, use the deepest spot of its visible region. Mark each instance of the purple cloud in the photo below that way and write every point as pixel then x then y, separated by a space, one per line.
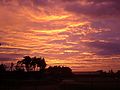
pixel 105 48
pixel 95 8
pixel 8 57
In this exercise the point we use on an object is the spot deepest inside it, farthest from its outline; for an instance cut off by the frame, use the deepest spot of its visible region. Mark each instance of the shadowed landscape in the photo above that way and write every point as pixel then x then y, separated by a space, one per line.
pixel 31 73
pixel 59 44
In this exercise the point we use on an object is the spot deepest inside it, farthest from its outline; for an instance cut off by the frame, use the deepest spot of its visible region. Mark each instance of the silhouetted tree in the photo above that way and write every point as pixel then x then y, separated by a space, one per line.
pixel 11 66
pixel 19 66
pixel 27 61
pixel 41 63
pixel 59 71
pixel 2 67
pixel 32 63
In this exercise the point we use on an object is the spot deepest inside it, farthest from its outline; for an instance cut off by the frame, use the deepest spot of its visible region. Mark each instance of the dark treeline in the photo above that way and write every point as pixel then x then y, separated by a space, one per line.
pixel 33 67
pixel 33 72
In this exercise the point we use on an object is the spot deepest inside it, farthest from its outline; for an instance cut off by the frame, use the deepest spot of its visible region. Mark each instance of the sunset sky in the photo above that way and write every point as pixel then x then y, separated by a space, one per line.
pixel 81 34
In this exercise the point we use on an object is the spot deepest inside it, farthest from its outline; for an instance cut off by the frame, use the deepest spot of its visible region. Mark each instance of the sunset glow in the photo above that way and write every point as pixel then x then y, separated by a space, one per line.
pixel 81 34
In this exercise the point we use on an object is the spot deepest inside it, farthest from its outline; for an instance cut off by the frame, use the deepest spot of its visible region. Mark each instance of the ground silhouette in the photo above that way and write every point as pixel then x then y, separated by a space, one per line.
pixel 31 73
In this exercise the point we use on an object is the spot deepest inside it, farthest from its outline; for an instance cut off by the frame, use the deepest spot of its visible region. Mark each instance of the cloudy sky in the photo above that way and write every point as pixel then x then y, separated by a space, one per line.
pixel 81 34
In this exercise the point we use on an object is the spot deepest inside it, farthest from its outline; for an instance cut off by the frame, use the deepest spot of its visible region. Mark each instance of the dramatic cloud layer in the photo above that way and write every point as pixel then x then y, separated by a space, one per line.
pixel 81 34
pixel 95 8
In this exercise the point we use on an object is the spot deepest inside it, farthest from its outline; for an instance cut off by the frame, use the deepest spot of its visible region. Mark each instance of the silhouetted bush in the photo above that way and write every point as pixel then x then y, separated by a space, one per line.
pixel 2 68
pixel 19 68
pixel 59 71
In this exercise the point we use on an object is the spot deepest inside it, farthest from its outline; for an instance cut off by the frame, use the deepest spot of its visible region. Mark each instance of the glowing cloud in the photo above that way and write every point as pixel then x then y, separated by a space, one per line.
pixel 81 34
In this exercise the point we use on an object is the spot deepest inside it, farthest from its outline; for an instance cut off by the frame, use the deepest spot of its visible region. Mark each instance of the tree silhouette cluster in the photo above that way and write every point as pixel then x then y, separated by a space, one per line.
pixel 59 70
pixel 31 63
pixel 35 64
pixel 33 67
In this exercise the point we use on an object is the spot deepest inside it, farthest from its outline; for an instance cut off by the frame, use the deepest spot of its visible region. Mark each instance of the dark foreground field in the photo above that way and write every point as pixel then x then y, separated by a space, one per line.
pixel 76 82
